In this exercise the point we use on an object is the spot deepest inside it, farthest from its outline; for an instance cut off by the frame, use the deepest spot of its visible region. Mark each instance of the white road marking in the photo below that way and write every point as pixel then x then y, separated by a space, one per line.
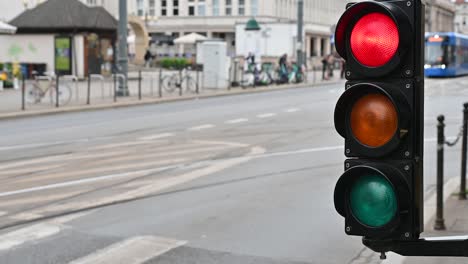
pixel 131 166
pixel 157 136
pixel 47 144
pixel 86 181
pixel 2 213
pixel 292 110
pixel 202 150
pixel 28 170
pixel 118 145
pixel 236 121
pixel 267 115
pixel 37 199
pixel 25 216
pixel 37 231
pixel 229 144
pixel 157 185
pixel 202 127
pixel 66 157
pixel 28 234
pixel 134 250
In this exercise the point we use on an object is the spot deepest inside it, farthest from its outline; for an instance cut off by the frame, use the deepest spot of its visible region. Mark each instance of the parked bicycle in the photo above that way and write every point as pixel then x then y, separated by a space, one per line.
pixel 37 90
pixel 181 80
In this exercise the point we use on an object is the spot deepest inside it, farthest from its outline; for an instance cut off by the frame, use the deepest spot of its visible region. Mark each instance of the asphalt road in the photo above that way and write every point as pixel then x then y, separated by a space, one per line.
pixel 240 179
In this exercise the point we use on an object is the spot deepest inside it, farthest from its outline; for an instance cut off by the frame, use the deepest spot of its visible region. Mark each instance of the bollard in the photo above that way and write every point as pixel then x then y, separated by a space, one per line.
pixel 152 85
pixel 23 94
pixel 88 96
pixel 139 85
pixel 160 83
pixel 197 80
pixel 440 222
pixel 57 91
pixel 115 88
pixel 181 82
pixel 462 195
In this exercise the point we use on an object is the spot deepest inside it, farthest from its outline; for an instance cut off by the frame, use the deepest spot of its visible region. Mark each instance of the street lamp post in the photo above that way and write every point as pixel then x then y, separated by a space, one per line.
pixel 123 54
pixel 300 26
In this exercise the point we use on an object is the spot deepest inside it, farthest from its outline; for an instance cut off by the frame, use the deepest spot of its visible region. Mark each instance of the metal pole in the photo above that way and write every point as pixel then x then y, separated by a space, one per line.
pixel 123 55
pixel 115 88
pixel 23 94
pixel 198 80
pixel 440 222
pixel 57 91
pixel 88 96
pixel 300 26
pixel 139 85
pixel 462 195
pixel 160 83
pixel 180 79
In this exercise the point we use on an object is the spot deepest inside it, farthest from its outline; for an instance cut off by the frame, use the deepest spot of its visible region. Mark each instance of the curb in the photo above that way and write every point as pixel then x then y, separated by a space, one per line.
pixel 143 102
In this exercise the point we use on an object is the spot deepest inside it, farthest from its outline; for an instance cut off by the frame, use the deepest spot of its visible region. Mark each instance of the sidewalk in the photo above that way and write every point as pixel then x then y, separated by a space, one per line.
pixel 456 221
pixel 102 95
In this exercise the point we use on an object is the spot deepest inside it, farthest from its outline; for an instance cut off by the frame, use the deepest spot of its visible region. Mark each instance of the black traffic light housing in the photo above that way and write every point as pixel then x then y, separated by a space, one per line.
pixel 404 16
pixel 401 81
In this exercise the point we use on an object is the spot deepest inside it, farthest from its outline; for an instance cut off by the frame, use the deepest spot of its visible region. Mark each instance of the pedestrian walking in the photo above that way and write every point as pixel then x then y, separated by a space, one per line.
pixel 331 62
pixel 148 57
pixel 324 68
pixel 283 69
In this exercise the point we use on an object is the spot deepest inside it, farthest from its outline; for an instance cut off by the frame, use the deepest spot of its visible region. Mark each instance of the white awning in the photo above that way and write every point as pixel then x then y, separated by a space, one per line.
pixel 190 39
pixel 6 29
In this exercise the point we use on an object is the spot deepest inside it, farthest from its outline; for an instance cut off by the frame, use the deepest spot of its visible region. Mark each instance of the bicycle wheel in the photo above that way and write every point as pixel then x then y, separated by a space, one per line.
pixel 33 94
pixel 172 83
pixel 189 84
pixel 247 80
pixel 65 94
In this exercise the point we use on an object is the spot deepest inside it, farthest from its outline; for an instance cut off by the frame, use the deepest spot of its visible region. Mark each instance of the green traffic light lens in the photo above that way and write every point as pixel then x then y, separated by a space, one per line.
pixel 373 200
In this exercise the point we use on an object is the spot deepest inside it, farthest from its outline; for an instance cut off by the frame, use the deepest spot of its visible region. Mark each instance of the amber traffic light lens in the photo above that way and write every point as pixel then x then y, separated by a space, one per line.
pixel 374 120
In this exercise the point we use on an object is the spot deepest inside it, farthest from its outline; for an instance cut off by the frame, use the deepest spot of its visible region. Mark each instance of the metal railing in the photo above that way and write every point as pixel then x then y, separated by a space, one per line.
pixel 441 142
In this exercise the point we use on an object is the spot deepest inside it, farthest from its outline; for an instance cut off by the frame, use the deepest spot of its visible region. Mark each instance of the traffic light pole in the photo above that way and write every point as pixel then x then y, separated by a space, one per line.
pixel 429 247
pixel 123 56
pixel 300 30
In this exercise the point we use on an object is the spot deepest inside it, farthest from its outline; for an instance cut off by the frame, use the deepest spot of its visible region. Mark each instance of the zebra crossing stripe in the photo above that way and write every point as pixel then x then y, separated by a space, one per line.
pixel 134 250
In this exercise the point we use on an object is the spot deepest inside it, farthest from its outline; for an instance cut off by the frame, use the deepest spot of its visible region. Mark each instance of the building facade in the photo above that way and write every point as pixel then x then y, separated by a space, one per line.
pixel 461 16
pixel 440 16
pixel 218 18
pixel 166 20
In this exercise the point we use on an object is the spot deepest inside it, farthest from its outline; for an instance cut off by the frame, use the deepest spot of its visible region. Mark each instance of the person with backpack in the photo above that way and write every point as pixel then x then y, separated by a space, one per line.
pixel 283 68
pixel 148 58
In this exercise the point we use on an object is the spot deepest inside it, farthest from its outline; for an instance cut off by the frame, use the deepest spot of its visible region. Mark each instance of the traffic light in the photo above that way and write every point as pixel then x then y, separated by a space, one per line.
pixel 380 116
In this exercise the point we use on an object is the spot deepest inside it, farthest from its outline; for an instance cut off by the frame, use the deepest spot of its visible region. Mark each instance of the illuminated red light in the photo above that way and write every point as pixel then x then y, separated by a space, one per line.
pixel 374 40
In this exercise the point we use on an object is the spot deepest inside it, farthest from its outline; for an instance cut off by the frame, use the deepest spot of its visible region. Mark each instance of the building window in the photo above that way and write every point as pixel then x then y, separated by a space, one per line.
pixel 140 8
pixel 254 7
pixel 241 10
pixel 191 7
pixel 215 7
pixel 91 2
pixel 228 7
pixel 175 5
pixel 152 8
pixel 201 7
pixel 164 8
